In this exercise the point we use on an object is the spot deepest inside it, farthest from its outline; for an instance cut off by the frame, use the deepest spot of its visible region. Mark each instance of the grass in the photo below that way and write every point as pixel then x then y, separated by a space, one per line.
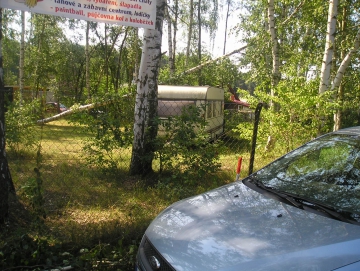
pixel 94 220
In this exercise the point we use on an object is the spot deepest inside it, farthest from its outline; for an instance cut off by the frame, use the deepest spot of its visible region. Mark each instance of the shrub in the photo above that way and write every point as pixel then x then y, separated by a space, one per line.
pixel 184 149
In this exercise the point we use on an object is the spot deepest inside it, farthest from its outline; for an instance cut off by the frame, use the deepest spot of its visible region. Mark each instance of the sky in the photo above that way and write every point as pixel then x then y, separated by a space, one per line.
pixel 217 48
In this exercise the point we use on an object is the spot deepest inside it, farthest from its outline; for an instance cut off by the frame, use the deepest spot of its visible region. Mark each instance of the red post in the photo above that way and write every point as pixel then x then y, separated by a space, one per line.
pixel 238 169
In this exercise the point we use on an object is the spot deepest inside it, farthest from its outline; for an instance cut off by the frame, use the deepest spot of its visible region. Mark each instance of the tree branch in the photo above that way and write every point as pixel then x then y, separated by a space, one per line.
pixel 295 11
pixel 345 63
pixel 213 61
pixel 76 109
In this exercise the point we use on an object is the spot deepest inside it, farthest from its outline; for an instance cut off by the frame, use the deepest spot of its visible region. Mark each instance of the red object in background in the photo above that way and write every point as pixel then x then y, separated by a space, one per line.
pixel 238 169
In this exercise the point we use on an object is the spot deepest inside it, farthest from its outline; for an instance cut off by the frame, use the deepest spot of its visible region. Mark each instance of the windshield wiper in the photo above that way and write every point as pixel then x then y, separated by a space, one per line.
pixel 301 202
pixel 321 207
pixel 280 194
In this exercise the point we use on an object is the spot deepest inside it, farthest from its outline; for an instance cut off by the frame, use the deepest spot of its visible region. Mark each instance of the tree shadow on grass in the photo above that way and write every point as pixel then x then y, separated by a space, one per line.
pixel 20 246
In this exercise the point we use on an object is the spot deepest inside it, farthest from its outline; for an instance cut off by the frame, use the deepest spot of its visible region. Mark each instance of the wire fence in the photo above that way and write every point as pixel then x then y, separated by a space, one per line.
pixel 73 151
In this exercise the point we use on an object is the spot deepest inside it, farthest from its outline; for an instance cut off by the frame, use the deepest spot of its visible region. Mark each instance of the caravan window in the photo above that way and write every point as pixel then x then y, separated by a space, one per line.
pixel 172 108
pixel 214 109
pixel 210 109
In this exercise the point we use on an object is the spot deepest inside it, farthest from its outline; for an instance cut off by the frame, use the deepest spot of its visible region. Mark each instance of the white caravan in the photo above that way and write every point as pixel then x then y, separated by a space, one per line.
pixel 172 100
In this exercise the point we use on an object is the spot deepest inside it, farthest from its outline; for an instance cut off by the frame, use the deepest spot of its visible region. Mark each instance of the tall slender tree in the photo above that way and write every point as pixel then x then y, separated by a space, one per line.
pixel 228 2
pixel 170 39
pixel 145 126
pixel 190 27
pixel 329 47
pixel 22 55
pixel 199 39
pixel 87 60
pixel 6 184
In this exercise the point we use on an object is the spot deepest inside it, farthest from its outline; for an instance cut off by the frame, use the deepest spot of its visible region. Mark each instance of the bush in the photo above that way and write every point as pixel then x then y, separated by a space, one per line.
pixel 21 125
pixel 184 149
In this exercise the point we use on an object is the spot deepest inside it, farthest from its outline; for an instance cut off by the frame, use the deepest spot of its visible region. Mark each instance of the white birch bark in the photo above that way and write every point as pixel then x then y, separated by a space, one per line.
pixel 226 25
pixel 199 41
pixel 338 78
pixel 6 184
pixel 189 36
pixel 275 74
pixel 145 129
pixel 87 60
pixel 213 61
pixel 329 47
pixel 345 62
pixel 21 61
pixel 275 46
pixel 170 45
pixel 172 67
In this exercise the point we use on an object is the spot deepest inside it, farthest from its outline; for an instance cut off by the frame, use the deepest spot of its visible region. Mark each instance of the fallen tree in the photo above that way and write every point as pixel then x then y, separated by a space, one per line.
pixel 212 61
pixel 77 108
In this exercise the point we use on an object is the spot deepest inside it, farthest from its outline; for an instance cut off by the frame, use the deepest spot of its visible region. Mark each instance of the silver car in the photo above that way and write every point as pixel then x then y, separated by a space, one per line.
pixel 300 212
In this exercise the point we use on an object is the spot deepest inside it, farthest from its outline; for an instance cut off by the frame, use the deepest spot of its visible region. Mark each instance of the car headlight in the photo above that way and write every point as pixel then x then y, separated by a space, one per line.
pixel 149 259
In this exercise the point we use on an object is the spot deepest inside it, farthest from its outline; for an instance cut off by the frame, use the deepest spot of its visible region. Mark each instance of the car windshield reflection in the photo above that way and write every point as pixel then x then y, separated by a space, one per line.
pixel 326 171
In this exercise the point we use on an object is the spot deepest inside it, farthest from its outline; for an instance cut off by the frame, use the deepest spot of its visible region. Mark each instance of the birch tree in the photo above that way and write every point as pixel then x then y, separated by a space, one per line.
pixel 145 126
pixel 170 40
pixel 228 3
pixel 22 55
pixel 189 31
pixel 6 184
pixel 329 47
pixel 199 39
pixel 275 74
pixel 326 82
pixel 87 59
pixel 174 43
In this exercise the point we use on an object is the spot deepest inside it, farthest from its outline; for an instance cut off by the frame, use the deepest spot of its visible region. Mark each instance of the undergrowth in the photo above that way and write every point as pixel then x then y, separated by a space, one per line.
pixel 71 214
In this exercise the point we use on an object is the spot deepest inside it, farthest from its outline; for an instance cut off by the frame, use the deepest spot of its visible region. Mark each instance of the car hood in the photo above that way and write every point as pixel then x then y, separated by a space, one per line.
pixel 236 228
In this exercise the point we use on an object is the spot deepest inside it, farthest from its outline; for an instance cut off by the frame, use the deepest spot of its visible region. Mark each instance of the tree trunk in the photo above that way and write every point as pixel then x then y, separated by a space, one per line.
pixel 226 25
pixel 189 36
pixel 21 62
pixel 172 68
pixel 145 126
pixel 345 62
pixel 118 74
pixel 338 113
pixel 275 75
pixel 199 41
pixel 213 61
pixel 6 184
pixel 329 47
pixel 170 45
pixel 87 59
pixel 106 61
pixel 338 78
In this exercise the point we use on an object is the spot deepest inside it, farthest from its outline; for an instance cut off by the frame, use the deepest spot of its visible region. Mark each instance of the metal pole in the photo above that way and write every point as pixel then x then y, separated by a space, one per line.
pixel 253 141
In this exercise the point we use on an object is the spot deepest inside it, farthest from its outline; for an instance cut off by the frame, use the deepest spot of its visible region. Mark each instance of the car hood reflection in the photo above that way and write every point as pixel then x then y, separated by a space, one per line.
pixel 236 228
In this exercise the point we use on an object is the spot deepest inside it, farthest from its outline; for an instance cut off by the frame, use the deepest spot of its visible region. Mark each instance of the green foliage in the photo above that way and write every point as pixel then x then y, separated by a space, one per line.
pixel 36 253
pixel 111 125
pixel 20 125
pixel 219 73
pixel 32 190
pixel 300 112
pixel 29 253
pixel 110 256
pixel 301 43
pixel 184 150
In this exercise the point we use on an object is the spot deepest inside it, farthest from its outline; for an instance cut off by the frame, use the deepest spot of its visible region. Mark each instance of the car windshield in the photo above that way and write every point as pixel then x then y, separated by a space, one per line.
pixel 326 171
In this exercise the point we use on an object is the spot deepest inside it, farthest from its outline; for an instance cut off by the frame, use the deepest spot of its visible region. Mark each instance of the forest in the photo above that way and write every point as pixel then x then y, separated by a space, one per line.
pixel 299 59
